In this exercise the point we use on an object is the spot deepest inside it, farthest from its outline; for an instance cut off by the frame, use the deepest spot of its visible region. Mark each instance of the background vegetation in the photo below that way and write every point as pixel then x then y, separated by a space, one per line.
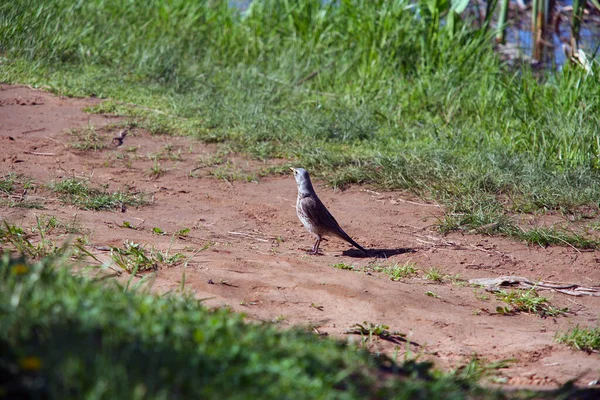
pixel 381 92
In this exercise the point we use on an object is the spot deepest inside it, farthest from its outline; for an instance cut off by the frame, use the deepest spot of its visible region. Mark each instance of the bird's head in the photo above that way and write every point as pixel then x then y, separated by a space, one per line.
pixel 302 178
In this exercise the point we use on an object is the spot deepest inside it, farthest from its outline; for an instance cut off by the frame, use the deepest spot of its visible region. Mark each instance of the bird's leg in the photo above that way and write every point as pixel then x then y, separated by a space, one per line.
pixel 315 249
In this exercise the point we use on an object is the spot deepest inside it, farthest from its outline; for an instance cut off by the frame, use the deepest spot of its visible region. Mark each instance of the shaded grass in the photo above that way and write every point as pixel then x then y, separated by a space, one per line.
pixel 148 346
pixel 356 92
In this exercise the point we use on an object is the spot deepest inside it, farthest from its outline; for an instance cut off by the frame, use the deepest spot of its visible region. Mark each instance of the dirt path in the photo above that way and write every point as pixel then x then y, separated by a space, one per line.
pixel 256 261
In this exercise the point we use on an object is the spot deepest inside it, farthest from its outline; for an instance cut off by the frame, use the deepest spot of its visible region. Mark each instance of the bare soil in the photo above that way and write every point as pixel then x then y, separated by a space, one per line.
pixel 256 261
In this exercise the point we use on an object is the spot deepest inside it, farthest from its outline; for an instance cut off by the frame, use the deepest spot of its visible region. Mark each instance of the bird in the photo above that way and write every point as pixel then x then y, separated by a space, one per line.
pixel 314 215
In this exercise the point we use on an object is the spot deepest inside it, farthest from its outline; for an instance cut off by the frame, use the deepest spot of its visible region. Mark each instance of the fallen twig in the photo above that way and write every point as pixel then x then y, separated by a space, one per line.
pixel 35 153
pixel 572 289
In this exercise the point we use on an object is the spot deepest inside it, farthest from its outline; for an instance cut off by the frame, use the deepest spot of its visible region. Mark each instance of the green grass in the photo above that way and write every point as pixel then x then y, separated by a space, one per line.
pixel 78 193
pixel 87 138
pixel 354 91
pixel 527 301
pixel 170 346
pixel 34 245
pixel 12 183
pixel 134 258
pixel 586 339
pixel 434 274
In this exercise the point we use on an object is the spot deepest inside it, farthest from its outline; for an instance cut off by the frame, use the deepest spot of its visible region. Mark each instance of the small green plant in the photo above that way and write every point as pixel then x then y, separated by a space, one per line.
pixel 11 185
pixel 77 192
pixel 156 171
pixel 477 369
pixel 23 243
pixel 232 172
pixel 527 301
pixel 158 231
pixel 483 296
pixel 7 183
pixel 396 272
pixel 369 329
pixel 182 232
pixel 586 339
pixel 134 258
pixel 128 225
pixel 87 138
pixel 431 294
pixel 434 274
pixel 344 266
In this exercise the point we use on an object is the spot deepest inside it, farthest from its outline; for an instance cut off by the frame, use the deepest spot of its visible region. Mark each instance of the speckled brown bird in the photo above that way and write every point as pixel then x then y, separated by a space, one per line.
pixel 314 215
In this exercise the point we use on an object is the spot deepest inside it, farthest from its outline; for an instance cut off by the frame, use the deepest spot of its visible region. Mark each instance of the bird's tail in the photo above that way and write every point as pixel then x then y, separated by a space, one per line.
pixel 348 239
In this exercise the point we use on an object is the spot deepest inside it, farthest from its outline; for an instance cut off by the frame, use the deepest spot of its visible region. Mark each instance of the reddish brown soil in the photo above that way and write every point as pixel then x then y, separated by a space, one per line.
pixel 257 263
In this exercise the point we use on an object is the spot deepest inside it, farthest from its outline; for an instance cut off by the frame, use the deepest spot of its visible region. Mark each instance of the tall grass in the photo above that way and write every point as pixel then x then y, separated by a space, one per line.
pixel 380 92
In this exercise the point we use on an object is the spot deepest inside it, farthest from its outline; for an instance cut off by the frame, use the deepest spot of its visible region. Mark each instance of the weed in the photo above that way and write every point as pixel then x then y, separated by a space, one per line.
pixel 11 183
pixel 435 275
pixel 7 183
pixel 182 232
pixel 87 138
pixel 586 339
pixel 158 231
pixel 22 243
pixel 231 172
pixel 477 369
pixel 396 272
pixel 134 258
pixel 128 225
pixel 344 266
pixel 431 294
pixel 369 329
pixel 77 192
pixel 483 296
pixel 156 171
pixel 527 301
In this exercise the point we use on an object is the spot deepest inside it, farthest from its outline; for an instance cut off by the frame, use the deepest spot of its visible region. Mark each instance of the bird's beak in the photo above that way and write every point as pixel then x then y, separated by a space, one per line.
pixel 292 169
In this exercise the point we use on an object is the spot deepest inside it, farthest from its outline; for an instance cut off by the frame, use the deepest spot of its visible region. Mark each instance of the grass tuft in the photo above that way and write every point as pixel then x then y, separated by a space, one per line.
pixel 78 193
pixel 586 339
pixel 527 301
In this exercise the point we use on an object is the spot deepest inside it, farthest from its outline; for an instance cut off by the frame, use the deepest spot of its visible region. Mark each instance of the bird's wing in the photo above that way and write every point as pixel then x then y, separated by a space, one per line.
pixel 314 209
pixel 317 212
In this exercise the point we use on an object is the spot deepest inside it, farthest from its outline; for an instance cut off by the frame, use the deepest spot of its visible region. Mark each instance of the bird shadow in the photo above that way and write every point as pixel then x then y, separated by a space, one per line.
pixel 377 253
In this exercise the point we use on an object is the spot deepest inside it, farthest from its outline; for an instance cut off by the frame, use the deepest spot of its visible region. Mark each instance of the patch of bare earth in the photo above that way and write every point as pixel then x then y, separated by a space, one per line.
pixel 257 264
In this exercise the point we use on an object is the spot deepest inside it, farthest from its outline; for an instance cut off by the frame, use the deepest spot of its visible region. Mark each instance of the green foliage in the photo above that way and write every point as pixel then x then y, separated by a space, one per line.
pixel 355 91
pixel 369 329
pixel 344 266
pixel 133 257
pixel 434 274
pixel 586 339
pixel 77 192
pixel 68 336
pixel 527 301
pixel 35 245
pixel 396 272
